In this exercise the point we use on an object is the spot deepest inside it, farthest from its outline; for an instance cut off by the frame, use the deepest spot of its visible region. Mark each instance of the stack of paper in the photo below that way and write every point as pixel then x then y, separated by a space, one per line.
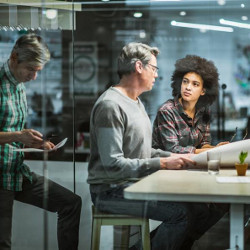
pixel 229 153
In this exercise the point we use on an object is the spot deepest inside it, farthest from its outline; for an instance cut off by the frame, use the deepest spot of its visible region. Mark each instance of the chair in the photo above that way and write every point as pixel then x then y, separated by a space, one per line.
pixel 100 219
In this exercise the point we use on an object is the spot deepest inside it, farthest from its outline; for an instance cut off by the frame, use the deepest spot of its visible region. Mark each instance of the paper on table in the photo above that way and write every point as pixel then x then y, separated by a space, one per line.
pixel 232 179
pixel 229 153
pixel 59 145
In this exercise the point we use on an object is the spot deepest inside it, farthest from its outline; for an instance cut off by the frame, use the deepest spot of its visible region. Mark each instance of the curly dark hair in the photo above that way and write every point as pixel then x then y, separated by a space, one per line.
pixel 201 66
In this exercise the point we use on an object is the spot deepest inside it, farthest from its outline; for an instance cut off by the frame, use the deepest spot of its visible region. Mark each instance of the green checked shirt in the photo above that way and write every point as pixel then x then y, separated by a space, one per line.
pixel 13 112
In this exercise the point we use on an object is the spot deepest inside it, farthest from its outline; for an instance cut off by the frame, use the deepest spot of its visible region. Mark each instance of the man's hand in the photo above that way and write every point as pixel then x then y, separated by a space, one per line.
pixel 177 162
pixel 48 145
pixel 31 138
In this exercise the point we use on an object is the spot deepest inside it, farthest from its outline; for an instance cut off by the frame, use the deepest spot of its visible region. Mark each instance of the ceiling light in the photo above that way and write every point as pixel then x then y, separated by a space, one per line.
pixel 244 18
pixel 165 0
pixel 242 5
pixel 203 31
pixel 202 26
pixel 51 13
pixel 137 14
pixel 235 24
pixel 142 34
pixel 183 13
pixel 105 0
pixel 221 2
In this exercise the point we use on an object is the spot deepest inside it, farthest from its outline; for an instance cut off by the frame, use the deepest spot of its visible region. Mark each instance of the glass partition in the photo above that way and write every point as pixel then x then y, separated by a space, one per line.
pixel 85 39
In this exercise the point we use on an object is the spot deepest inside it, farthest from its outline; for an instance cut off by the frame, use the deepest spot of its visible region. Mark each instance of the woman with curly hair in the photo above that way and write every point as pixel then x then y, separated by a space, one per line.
pixel 182 124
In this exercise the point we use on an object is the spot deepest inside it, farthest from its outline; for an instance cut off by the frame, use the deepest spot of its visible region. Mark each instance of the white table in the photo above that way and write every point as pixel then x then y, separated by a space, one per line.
pixel 196 186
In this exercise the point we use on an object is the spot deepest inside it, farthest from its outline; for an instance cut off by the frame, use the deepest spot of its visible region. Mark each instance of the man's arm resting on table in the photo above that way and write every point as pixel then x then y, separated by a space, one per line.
pixel 177 161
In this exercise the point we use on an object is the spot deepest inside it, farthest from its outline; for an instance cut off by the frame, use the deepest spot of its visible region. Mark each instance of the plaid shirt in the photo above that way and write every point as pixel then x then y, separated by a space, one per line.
pixel 175 131
pixel 13 112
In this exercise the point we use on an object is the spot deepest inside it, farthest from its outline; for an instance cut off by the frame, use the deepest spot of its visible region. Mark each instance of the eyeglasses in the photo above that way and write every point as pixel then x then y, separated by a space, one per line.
pixel 155 68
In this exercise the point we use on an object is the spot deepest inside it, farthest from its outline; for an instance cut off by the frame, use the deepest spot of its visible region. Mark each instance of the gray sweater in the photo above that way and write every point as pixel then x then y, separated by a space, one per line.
pixel 120 140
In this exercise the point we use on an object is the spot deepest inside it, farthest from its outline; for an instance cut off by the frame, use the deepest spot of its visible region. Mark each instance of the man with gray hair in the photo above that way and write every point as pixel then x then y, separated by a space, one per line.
pixel 121 153
pixel 17 182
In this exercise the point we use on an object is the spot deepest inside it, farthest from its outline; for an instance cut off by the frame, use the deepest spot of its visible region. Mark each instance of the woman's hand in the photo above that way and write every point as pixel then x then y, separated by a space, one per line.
pixel 222 143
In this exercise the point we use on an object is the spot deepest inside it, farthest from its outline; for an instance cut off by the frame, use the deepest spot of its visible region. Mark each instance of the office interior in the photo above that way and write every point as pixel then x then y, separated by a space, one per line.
pixel 85 38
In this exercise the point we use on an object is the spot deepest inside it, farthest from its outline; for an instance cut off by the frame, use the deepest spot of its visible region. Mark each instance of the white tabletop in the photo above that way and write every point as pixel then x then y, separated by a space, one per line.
pixel 186 185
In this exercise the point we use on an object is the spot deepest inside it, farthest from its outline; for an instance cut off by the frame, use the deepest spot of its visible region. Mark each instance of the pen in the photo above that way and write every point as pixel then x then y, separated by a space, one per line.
pixel 234 134
pixel 245 134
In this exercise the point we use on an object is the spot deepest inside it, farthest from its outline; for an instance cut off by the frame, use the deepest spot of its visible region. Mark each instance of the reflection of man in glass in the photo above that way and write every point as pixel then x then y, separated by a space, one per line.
pixel 121 153
pixel 17 182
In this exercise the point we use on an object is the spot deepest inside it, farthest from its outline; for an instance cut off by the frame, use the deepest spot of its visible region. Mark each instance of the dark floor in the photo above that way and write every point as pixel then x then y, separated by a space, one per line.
pixel 217 238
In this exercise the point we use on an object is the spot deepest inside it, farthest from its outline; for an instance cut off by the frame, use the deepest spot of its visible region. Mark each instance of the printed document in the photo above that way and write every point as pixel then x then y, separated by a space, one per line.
pixel 229 153
pixel 59 145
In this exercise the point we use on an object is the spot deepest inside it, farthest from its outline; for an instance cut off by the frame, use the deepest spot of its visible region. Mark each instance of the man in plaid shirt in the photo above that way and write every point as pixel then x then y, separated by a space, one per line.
pixel 17 182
